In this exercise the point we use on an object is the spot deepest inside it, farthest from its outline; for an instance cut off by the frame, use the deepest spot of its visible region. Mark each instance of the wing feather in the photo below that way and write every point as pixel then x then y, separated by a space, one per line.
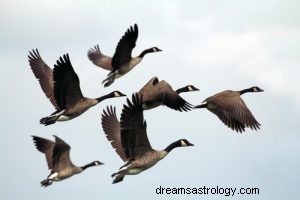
pixel 44 74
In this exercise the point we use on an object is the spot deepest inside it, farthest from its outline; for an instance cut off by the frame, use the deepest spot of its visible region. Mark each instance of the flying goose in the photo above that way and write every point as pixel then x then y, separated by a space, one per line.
pixel 156 93
pixel 231 109
pixel 130 141
pixel 58 159
pixel 62 87
pixel 121 62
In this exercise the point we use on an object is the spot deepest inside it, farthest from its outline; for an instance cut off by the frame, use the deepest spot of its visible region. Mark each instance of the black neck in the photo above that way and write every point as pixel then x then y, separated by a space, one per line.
pixel 172 146
pixel 88 165
pixel 245 91
pixel 180 90
pixel 201 106
pixel 99 99
pixel 145 52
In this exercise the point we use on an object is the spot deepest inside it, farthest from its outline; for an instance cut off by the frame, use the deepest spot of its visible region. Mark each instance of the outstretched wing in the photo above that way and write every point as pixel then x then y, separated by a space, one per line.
pixel 162 92
pixel 44 74
pixel 99 59
pixel 133 129
pixel 112 130
pixel 66 83
pixel 45 146
pixel 61 155
pixel 233 111
pixel 229 120
pixel 124 48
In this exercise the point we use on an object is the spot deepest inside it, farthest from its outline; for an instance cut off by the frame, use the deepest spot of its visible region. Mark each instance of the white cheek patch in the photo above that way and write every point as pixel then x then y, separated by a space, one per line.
pixel 116 94
pixel 183 143
pixel 190 88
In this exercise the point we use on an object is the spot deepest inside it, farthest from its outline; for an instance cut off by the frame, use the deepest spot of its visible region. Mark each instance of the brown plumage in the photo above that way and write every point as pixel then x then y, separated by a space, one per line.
pixel 122 61
pixel 99 59
pixel 58 159
pixel 129 139
pixel 156 93
pixel 231 109
pixel 44 74
pixel 62 87
pixel 111 128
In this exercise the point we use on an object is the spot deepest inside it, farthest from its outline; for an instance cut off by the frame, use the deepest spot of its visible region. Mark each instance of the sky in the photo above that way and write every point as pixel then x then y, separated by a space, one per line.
pixel 213 45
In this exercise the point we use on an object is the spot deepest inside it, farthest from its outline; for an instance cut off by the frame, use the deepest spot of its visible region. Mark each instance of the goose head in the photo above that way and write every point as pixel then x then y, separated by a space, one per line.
pixel 117 94
pixel 110 95
pixel 96 163
pixel 185 143
pixel 178 143
pixel 188 88
pixel 252 89
pixel 92 164
pixel 150 50
pixel 256 89
pixel 154 49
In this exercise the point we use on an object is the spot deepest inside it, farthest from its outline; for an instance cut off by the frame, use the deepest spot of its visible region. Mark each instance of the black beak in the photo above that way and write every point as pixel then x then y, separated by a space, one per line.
pixel 195 89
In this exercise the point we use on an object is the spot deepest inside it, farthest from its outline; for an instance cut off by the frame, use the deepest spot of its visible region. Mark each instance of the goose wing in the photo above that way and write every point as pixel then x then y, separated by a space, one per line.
pixel 133 129
pixel 99 59
pixel 45 146
pixel 66 83
pixel 44 74
pixel 112 130
pixel 148 86
pixel 61 155
pixel 163 92
pixel 229 120
pixel 124 48
pixel 233 111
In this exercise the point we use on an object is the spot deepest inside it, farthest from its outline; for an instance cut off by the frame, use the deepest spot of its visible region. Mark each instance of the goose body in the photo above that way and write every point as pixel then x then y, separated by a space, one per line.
pixel 122 61
pixel 156 93
pixel 58 159
pixel 62 87
pixel 129 139
pixel 231 109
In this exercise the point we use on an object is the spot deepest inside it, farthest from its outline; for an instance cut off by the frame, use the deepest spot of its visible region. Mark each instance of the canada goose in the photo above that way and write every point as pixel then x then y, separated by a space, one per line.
pixel 121 62
pixel 156 93
pixel 62 87
pixel 130 141
pixel 231 109
pixel 58 159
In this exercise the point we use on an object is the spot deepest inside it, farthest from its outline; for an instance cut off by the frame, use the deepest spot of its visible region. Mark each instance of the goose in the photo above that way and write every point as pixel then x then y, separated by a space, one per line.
pixel 231 109
pixel 58 159
pixel 130 141
pixel 121 62
pixel 62 87
pixel 156 93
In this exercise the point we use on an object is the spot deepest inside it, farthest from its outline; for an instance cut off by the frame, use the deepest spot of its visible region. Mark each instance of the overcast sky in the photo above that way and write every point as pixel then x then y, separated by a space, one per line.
pixel 214 45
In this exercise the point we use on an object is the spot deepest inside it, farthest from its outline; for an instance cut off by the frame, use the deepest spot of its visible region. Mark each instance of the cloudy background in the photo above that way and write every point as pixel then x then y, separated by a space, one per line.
pixel 214 45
